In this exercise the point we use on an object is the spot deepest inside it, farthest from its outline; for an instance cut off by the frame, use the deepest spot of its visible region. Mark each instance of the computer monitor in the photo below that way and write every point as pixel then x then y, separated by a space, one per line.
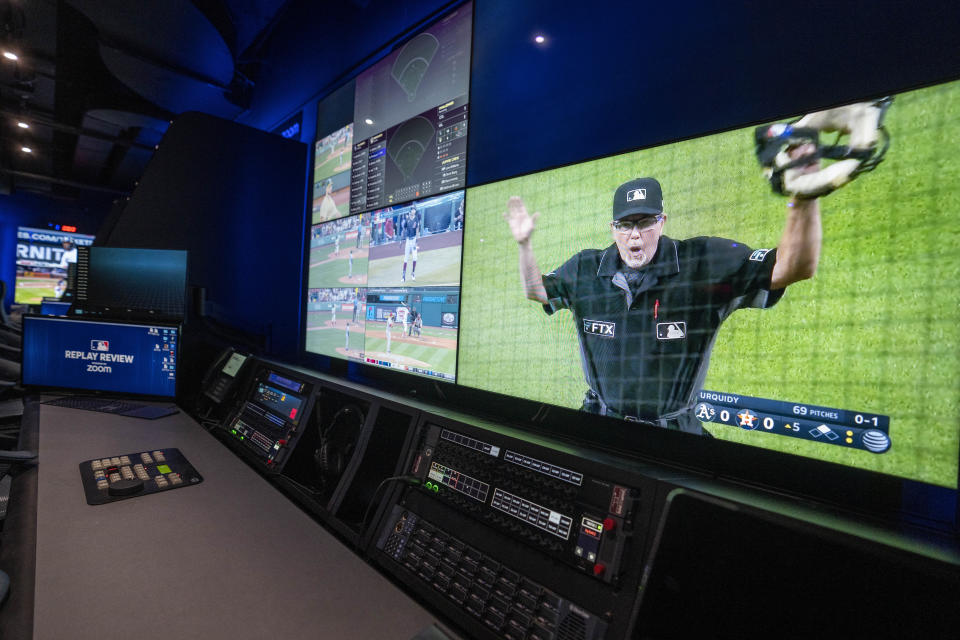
pixel 44 259
pixel 54 307
pixel 115 282
pixel 130 358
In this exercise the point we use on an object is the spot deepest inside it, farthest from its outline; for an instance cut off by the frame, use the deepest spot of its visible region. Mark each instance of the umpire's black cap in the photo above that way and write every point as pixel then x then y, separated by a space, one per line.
pixel 642 195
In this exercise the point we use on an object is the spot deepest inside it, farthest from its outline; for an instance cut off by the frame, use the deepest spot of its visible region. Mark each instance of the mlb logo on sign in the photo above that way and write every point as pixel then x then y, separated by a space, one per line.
pixel 99 345
pixel 636 194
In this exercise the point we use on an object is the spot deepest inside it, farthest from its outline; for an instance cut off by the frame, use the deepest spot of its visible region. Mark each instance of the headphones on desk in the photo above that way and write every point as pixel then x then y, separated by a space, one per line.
pixel 338 440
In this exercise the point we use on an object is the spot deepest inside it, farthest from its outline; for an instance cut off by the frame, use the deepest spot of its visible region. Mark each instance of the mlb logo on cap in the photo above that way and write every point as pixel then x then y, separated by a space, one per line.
pixel 641 196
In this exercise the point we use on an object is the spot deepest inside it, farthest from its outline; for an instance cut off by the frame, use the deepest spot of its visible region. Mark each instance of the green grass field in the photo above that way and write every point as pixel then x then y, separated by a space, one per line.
pixel 876 330
pixel 333 272
pixel 332 341
pixel 434 349
pixel 33 290
pixel 437 267
pixel 331 161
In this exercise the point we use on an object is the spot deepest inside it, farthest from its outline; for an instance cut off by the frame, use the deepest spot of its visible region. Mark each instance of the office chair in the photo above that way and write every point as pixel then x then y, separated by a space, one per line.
pixel 9 462
pixel 6 321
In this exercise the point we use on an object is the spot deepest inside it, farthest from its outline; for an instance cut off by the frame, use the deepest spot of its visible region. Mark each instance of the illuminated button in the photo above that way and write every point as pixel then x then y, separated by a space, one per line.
pixel 609 524
pixel 96 465
pixel 598 569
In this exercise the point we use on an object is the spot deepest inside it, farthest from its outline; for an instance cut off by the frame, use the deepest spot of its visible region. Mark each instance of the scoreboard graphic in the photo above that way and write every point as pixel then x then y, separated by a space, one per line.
pixel 854 429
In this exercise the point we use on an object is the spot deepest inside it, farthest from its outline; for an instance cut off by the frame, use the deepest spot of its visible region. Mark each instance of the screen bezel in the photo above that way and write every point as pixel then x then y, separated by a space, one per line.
pixel 64 390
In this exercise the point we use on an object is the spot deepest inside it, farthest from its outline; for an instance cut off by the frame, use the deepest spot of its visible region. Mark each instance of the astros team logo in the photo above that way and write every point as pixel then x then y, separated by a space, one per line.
pixel 636 194
pixel 747 419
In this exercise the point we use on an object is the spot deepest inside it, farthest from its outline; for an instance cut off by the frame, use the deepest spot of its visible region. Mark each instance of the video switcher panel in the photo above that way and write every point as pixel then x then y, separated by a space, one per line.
pixel 529 541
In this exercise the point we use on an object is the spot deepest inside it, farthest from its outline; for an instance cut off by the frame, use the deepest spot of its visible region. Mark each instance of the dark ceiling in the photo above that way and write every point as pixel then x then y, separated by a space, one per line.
pixel 97 81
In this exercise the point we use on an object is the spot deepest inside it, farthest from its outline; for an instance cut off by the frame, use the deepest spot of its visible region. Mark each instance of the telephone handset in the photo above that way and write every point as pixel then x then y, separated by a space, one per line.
pixel 223 375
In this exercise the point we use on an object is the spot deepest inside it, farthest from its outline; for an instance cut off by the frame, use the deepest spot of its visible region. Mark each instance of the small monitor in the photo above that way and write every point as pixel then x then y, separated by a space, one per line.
pixel 116 282
pixel 54 307
pixel 138 359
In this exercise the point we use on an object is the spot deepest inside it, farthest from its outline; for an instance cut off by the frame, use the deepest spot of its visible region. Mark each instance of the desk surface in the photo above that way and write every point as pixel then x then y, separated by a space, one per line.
pixel 228 558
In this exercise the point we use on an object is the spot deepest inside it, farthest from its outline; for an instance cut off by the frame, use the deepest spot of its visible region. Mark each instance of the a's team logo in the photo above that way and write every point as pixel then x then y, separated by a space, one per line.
pixel 705 412
pixel 759 255
pixel 671 330
pixel 599 328
pixel 747 419
pixel 636 194
pixel 99 345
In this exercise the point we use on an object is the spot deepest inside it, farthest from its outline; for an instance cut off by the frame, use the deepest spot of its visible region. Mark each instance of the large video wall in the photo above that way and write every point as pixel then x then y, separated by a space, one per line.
pixel 690 312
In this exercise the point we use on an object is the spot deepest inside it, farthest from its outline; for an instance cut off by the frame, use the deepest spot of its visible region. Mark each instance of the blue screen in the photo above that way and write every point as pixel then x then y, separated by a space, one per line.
pixel 100 356
pixel 54 308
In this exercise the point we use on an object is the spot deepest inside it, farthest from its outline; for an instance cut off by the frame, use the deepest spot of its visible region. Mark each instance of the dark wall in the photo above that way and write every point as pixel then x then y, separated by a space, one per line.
pixel 233 197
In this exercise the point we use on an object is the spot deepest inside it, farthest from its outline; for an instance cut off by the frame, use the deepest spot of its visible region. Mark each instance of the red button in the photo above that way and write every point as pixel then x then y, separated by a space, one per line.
pixel 609 524
pixel 281 442
pixel 598 569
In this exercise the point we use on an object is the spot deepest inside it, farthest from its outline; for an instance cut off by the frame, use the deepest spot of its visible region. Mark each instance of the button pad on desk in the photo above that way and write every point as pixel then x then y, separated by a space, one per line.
pixel 157 470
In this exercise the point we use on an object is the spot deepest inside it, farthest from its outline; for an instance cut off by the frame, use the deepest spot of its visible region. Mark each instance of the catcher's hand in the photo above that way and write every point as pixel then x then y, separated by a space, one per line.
pixel 790 172
pixel 521 223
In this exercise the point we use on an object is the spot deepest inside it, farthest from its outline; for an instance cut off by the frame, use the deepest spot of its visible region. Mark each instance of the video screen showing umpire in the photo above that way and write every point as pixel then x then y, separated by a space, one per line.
pixel 793 279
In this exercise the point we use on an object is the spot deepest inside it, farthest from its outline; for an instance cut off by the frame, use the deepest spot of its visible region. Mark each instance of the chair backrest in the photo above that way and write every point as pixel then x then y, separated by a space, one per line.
pixel 4 319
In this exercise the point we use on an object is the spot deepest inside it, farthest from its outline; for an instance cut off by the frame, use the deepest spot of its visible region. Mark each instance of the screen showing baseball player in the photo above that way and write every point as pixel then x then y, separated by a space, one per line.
pixel 792 279
pixel 43 258
pixel 335 322
pixel 417 244
pixel 338 252
pixel 332 157
pixel 413 330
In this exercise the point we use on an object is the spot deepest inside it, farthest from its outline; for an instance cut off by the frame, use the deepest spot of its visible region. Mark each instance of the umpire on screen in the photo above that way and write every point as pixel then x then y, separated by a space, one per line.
pixel 648 307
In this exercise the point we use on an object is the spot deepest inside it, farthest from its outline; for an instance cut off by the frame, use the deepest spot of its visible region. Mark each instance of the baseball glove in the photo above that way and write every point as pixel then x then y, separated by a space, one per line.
pixel 868 143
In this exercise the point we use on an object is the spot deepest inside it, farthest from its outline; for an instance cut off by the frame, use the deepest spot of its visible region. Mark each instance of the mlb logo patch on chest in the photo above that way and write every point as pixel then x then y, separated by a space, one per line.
pixel 671 330
pixel 599 328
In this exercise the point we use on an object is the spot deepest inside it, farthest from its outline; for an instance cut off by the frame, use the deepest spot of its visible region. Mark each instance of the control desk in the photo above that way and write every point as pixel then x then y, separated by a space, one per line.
pixel 227 558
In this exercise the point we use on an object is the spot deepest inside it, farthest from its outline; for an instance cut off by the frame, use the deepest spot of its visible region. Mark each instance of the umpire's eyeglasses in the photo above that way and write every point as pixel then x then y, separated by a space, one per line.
pixel 642 224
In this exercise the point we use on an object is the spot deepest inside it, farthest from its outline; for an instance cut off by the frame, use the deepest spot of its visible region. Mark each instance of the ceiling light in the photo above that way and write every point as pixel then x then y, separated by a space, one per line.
pixel 26 149
pixel 23 125
pixel 9 55
pixel 368 121
pixel 539 39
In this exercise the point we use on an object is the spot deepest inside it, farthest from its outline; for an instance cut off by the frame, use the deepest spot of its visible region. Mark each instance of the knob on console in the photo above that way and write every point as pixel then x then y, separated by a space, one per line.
pixel 125 487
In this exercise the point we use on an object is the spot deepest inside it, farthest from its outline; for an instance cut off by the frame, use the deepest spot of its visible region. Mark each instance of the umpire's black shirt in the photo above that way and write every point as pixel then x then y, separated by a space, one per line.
pixel 645 353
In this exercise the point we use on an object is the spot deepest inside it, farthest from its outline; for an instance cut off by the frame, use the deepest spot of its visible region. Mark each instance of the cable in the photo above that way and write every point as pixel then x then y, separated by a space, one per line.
pixel 411 480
